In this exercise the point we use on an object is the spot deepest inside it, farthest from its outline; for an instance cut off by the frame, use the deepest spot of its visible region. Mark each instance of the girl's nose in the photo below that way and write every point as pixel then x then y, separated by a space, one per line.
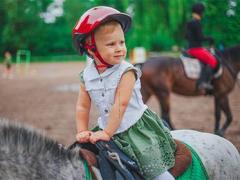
pixel 119 47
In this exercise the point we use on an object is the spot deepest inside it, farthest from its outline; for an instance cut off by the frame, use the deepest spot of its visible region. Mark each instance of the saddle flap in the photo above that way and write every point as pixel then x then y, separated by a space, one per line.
pixel 183 159
pixel 89 156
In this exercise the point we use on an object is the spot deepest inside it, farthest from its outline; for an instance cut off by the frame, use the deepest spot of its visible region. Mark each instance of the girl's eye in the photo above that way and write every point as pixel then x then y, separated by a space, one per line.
pixel 110 44
pixel 122 42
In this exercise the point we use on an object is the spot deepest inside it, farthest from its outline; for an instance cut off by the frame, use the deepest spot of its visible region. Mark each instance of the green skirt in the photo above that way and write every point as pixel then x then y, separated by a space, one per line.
pixel 149 143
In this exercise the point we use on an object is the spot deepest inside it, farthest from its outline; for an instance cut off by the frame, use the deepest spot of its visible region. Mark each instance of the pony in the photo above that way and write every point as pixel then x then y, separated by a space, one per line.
pixel 163 75
pixel 26 153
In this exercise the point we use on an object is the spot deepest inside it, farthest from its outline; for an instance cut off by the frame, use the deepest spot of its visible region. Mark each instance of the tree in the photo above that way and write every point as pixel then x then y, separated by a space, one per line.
pixel 224 27
pixel 22 29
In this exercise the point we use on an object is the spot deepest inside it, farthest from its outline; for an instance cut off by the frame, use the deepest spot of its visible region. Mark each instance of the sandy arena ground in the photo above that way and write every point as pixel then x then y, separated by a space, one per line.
pixel 45 97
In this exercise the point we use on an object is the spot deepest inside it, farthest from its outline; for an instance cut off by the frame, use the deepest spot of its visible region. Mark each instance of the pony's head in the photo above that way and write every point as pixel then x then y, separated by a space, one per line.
pixel 234 54
pixel 26 153
pixel 231 56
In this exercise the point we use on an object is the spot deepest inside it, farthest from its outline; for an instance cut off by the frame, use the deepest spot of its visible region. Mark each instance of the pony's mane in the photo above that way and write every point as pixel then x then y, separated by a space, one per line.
pixel 22 138
pixel 26 153
pixel 232 52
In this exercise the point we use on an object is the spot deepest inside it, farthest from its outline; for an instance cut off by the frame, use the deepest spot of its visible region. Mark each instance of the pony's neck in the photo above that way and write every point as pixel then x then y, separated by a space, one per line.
pixel 231 59
pixel 73 167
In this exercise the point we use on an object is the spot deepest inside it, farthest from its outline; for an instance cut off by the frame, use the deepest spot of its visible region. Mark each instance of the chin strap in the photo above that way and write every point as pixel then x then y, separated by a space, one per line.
pixel 93 48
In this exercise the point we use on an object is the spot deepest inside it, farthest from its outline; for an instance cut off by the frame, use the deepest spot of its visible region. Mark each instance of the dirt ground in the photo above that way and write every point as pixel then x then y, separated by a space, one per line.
pixel 44 96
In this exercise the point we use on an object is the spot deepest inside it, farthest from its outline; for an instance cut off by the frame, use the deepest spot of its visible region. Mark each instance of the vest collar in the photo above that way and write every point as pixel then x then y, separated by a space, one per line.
pixel 92 73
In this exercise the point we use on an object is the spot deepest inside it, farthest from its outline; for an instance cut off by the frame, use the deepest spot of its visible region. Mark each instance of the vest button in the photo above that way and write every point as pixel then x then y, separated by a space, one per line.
pixel 101 80
pixel 106 111
pixel 102 94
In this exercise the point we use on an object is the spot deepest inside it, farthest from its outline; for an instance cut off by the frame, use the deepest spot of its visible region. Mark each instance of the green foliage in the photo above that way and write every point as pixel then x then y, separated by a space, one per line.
pixel 22 27
pixel 157 24
pixel 223 28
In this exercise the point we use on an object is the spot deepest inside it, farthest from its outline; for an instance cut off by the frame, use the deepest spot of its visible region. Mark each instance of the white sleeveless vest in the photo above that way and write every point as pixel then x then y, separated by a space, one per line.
pixel 102 87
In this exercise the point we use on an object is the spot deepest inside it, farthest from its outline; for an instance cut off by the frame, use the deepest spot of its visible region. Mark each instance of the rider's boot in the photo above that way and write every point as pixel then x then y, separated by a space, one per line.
pixel 204 82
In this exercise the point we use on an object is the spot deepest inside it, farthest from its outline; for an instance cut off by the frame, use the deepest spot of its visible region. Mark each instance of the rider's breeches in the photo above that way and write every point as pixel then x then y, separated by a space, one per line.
pixel 204 56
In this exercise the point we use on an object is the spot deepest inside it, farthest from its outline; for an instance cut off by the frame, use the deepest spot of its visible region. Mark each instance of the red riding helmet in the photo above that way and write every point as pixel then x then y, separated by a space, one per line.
pixel 91 19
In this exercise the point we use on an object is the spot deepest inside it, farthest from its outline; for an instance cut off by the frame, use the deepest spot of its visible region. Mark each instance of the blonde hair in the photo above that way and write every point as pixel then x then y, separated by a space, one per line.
pixel 107 27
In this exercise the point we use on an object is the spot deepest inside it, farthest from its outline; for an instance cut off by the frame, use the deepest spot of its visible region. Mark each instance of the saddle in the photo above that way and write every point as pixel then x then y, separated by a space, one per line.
pixel 116 165
pixel 183 159
pixel 192 66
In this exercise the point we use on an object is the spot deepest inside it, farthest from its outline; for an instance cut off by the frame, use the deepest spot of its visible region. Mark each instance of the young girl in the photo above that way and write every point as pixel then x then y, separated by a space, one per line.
pixel 114 86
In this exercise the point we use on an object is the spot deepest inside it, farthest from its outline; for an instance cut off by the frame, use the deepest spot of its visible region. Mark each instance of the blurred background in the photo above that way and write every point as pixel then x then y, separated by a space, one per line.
pixel 44 26
pixel 42 88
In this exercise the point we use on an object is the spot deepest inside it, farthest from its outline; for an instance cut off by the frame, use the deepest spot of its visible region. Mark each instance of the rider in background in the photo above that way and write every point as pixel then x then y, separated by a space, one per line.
pixel 113 85
pixel 195 39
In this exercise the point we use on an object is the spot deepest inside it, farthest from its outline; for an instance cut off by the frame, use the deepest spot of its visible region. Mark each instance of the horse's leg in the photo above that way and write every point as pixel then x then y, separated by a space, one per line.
pixel 145 88
pixel 163 97
pixel 145 93
pixel 217 114
pixel 224 104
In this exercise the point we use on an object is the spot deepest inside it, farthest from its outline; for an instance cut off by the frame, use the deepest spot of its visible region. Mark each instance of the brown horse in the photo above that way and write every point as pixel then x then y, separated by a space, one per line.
pixel 163 75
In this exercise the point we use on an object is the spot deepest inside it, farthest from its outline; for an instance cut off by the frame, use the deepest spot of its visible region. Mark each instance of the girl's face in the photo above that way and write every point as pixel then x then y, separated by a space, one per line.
pixel 110 43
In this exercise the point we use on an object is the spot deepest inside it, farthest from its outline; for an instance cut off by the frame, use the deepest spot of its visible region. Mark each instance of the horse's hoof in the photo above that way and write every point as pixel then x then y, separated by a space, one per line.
pixel 168 125
pixel 219 133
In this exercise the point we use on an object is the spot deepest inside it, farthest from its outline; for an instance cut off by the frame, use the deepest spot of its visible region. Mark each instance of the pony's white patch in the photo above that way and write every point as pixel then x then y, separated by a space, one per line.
pixel 219 156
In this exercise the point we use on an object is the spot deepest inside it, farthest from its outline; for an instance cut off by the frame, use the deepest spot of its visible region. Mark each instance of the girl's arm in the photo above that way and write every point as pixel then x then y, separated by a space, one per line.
pixel 82 113
pixel 122 98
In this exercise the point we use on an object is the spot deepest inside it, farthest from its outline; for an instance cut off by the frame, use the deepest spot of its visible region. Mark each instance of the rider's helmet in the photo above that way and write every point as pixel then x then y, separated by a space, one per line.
pixel 198 8
pixel 90 20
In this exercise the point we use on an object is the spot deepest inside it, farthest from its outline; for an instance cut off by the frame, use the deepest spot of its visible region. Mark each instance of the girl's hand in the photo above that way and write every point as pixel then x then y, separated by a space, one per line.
pixel 99 135
pixel 83 136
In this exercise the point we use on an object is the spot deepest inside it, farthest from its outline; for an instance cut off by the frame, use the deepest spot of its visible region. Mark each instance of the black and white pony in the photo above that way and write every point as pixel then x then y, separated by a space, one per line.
pixel 28 154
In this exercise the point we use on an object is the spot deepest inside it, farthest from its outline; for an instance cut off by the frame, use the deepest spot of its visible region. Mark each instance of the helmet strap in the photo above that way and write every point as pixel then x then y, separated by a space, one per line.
pixel 93 48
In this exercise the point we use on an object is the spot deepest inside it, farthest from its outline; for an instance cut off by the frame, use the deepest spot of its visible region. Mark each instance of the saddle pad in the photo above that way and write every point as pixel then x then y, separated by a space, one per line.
pixel 192 67
pixel 196 170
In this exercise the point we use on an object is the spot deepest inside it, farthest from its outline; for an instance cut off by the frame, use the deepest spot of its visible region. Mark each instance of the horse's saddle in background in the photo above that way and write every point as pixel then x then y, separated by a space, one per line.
pixel 192 66
pixel 114 164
